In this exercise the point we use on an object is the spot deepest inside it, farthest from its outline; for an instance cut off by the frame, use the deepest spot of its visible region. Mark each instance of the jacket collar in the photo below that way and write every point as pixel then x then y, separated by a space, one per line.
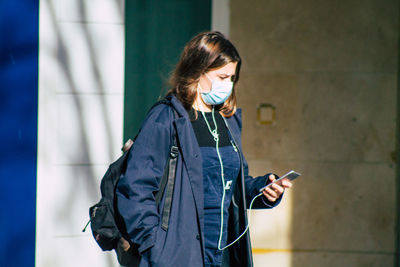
pixel 177 106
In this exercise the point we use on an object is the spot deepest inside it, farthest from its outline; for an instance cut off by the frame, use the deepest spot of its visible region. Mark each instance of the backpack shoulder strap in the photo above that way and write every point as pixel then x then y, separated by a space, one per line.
pixel 168 181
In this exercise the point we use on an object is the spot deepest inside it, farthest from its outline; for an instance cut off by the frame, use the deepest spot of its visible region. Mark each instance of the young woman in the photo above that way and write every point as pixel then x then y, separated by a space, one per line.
pixel 208 220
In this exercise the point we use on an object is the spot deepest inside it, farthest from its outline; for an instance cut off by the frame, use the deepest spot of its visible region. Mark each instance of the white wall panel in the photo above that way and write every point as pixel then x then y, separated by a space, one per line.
pixel 96 11
pixel 91 58
pixel 89 128
pixel 81 91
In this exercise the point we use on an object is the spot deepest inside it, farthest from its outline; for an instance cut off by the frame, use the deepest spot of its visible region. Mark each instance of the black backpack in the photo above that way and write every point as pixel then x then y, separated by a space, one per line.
pixel 107 225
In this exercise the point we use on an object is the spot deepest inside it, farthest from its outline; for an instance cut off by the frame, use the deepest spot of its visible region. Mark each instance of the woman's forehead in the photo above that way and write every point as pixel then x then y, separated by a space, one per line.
pixel 228 69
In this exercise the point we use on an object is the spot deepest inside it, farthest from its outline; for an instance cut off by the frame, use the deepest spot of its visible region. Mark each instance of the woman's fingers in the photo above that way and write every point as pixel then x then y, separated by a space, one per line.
pixel 278 189
pixel 286 183
pixel 274 191
pixel 272 178
pixel 271 192
pixel 268 196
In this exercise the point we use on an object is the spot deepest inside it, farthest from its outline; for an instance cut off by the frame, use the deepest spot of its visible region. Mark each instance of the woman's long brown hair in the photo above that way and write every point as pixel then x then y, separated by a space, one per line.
pixel 204 52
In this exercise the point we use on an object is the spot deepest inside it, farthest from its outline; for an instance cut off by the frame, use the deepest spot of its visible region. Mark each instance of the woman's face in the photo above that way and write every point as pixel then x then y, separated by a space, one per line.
pixel 224 73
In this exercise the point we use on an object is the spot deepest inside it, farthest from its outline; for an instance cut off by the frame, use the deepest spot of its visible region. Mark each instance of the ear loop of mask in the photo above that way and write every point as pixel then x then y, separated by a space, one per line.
pixel 199 96
pixel 215 134
pixel 196 104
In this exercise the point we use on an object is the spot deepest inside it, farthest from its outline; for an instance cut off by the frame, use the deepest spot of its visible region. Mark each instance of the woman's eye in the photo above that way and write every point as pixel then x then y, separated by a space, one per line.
pixel 226 78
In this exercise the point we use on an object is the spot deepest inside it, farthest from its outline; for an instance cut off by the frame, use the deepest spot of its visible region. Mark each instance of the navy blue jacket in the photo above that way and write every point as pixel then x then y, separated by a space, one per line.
pixel 182 244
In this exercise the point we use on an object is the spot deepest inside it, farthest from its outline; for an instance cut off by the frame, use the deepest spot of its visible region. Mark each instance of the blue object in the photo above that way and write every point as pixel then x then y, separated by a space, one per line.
pixel 19 25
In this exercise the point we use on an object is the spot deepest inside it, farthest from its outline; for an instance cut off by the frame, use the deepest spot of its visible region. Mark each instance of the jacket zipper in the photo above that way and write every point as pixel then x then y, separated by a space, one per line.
pixel 233 141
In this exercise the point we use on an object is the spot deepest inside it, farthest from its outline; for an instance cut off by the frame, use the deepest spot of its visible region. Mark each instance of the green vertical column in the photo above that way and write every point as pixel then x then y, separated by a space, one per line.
pixel 156 32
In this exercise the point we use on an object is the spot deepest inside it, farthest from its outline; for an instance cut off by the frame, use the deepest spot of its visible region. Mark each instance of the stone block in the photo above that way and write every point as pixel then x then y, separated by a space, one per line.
pixel 316 36
pixel 320 117
pixel 326 259
pixel 332 207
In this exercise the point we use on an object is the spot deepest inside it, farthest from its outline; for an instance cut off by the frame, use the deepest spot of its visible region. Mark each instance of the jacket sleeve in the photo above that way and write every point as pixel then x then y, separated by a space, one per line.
pixel 136 189
pixel 253 186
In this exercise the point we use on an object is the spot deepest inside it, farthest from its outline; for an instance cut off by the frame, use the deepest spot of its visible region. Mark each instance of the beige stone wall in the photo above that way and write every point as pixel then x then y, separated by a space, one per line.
pixel 330 69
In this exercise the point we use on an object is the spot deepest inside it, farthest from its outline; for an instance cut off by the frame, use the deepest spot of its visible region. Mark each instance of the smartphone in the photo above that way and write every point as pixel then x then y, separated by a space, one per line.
pixel 290 175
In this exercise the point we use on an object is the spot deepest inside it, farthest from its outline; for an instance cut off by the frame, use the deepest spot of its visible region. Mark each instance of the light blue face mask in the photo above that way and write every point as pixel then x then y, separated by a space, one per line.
pixel 220 91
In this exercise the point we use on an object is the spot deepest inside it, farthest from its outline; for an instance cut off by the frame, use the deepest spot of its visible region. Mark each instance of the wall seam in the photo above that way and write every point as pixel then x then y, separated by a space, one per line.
pixel 397 246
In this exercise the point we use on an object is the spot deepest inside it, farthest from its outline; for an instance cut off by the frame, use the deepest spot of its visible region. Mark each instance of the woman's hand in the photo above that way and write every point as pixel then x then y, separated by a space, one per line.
pixel 273 192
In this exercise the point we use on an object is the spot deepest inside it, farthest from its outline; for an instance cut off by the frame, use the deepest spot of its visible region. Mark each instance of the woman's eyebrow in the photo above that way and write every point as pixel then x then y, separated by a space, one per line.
pixel 226 75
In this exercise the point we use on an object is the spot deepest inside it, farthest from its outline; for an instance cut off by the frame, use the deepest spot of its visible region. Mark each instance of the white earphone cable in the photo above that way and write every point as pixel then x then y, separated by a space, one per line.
pixel 214 133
